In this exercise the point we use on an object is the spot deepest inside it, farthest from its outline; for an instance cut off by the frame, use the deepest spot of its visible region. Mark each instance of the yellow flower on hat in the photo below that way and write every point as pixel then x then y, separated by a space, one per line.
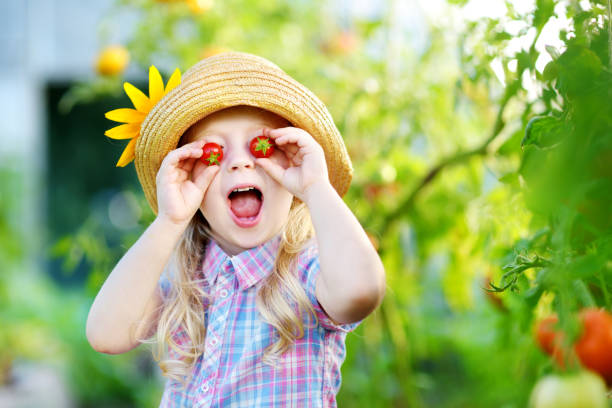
pixel 132 118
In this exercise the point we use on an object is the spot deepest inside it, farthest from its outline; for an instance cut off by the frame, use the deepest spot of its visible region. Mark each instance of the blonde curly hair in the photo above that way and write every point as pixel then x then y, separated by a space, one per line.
pixel 183 308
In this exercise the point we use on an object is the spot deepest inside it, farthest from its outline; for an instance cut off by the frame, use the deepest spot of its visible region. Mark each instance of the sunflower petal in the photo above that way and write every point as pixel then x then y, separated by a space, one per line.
pixel 174 80
pixel 125 115
pixel 127 131
pixel 128 154
pixel 138 98
pixel 156 85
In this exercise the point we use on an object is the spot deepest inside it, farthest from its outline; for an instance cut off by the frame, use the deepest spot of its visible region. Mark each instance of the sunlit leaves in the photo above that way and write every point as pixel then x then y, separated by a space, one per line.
pixel 578 68
pixel 543 132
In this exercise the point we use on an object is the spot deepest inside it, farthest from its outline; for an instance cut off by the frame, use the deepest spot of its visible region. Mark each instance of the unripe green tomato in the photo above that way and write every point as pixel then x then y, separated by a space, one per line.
pixel 578 390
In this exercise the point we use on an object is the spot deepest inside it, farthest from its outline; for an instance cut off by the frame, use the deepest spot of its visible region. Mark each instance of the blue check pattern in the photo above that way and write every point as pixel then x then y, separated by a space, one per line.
pixel 230 372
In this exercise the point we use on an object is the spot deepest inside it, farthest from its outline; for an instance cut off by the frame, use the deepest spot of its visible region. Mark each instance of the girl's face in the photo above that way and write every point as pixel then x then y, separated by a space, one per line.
pixel 233 129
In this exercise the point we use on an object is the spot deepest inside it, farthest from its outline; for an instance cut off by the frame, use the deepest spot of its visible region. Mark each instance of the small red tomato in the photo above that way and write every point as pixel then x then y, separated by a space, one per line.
pixel 262 146
pixel 594 347
pixel 212 153
pixel 546 334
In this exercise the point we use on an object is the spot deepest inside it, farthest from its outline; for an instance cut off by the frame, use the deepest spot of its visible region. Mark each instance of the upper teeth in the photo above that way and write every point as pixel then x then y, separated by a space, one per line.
pixel 243 189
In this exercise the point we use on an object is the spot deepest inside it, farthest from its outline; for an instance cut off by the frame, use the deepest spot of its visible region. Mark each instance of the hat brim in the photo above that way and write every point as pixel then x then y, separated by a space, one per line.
pixel 232 79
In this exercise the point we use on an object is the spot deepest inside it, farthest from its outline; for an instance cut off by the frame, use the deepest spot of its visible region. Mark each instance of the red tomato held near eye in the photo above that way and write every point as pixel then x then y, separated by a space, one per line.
pixel 262 146
pixel 212 154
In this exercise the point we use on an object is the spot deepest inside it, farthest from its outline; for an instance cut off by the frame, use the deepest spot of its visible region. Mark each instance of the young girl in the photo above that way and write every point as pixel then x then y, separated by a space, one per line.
pixel 254 269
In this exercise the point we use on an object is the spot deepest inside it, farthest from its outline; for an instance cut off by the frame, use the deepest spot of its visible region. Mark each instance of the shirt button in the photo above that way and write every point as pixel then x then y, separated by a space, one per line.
pixel 205 387
pixel 223 293
pixel 213 342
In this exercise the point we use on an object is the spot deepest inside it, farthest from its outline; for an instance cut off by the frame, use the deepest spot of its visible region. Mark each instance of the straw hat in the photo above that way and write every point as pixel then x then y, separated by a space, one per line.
pixel 231 79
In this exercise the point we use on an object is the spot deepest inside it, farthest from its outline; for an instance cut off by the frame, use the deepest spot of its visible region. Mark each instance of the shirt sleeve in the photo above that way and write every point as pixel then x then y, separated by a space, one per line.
pixel 309 268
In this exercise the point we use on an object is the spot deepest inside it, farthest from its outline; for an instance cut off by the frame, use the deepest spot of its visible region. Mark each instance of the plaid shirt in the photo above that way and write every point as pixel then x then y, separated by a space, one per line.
pixel 231 372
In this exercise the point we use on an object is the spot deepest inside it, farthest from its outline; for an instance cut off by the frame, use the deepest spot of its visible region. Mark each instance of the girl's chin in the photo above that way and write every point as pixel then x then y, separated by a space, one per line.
pixel 240 239
pixel 234 248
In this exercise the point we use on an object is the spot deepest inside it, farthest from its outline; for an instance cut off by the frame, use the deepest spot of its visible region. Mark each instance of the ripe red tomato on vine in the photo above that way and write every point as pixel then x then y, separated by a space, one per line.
pixel 262 146
pixel 593 347
pixel 212 154
pixel 546 334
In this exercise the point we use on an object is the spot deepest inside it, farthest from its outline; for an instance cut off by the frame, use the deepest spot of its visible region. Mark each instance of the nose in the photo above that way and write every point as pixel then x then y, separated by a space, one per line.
pixel 240 158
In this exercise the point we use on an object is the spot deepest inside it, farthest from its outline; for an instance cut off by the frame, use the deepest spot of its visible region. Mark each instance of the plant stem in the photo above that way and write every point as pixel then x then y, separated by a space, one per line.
pixel 601 280
pixel 610 34
pixel 459 157
pixel 511 90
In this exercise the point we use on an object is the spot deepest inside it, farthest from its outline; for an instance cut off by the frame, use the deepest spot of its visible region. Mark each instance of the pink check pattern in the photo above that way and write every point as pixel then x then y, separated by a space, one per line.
pixel 231 372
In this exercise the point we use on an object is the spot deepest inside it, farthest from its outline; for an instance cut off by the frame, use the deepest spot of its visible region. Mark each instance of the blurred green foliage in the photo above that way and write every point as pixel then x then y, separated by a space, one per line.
pixel 490 207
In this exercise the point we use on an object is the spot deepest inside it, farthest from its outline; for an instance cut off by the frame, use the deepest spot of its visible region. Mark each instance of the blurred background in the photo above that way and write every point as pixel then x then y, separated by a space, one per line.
pixel 480 134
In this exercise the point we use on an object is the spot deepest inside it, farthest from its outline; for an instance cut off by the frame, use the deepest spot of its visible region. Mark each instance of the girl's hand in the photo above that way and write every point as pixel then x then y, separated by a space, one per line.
pixel 182 181
pixel 306 159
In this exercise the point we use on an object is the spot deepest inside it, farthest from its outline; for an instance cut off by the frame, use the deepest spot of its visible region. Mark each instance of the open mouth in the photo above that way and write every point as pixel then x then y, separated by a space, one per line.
pixel 245 205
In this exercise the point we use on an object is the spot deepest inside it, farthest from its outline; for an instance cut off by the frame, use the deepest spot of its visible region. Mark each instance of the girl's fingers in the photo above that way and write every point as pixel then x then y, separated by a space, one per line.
pixel 277 134
pixel 286 138
pixel 187 164
pixel 290 154
pixel 203 175
pixel 190 150
pixel 274 133
pixel 296 160
pixel 289 148
pixel 273 169
pixel 198 169
pixel 289 138
pixel 292 141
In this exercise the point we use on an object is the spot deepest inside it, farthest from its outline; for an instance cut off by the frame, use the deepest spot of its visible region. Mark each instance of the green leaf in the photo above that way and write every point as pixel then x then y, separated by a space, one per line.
pixel 550 71
pixel 554 53
pixel 583 294
pixel 543 132
pixel 586 266
pixel 502 36
pixel 544 10
pixel 579 67
pixel 510 178
pixel 513 144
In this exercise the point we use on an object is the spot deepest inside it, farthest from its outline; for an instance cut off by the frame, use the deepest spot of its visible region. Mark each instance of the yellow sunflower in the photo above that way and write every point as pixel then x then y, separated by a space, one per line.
pixel 132 118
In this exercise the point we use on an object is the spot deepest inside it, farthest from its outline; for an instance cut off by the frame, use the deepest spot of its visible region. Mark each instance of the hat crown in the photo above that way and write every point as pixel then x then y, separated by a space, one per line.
pixel 221 61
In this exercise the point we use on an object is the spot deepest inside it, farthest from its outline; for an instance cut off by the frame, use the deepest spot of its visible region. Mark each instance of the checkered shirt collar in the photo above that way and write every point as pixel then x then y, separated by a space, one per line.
pixel 250 266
